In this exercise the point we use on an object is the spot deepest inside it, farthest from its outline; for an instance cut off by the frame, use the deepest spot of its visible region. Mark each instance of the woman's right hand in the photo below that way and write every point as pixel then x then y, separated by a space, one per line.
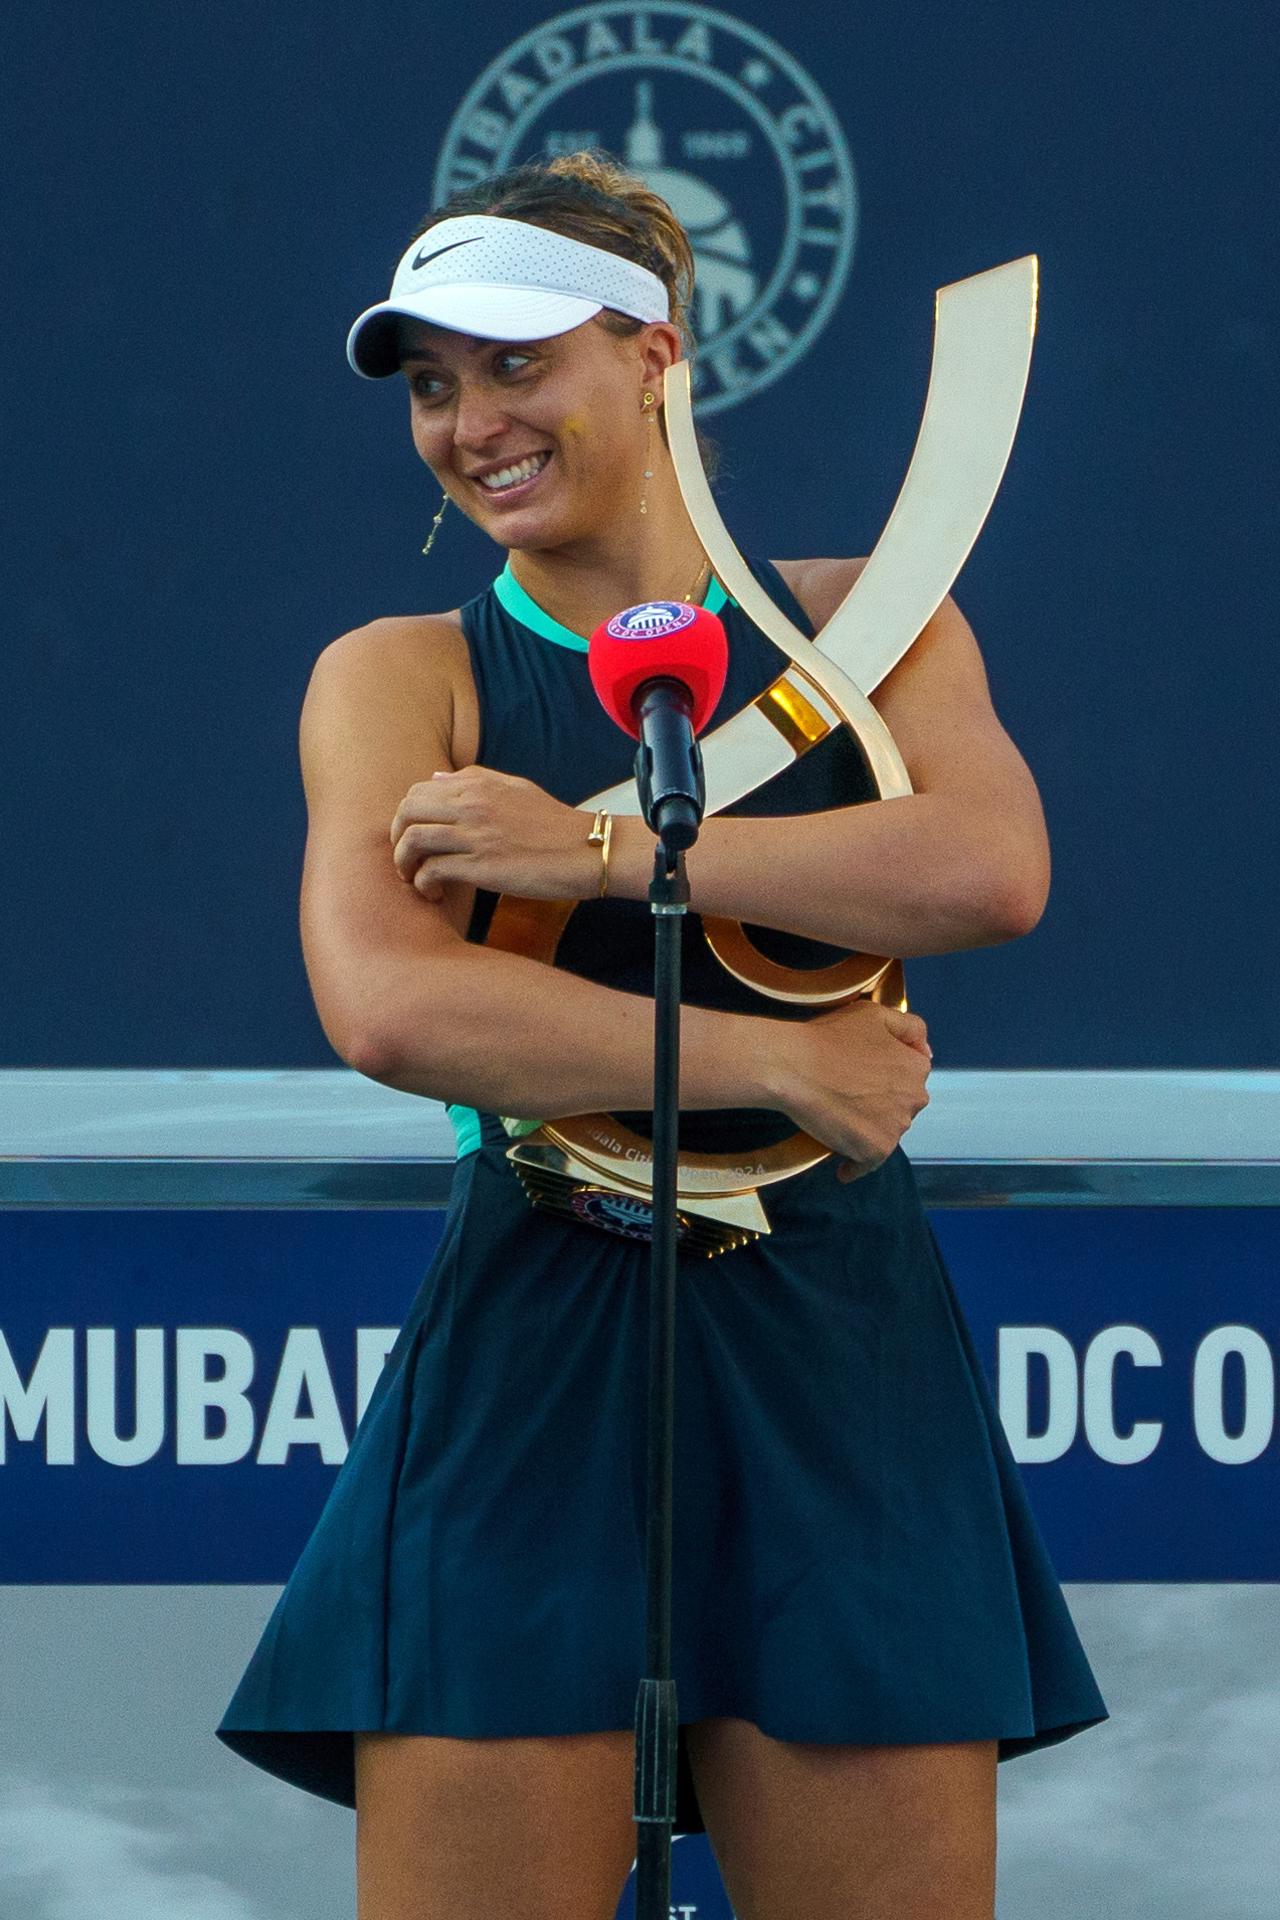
pixel 854 1078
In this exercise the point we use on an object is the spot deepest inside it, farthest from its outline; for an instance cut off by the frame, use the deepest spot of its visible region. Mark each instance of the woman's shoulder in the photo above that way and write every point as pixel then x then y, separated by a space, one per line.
pixel 820 585
pixel 417 647
pixel 420 660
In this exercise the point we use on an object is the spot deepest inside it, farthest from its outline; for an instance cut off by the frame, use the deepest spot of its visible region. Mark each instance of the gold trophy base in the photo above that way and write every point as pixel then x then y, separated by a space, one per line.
pixel 555 1178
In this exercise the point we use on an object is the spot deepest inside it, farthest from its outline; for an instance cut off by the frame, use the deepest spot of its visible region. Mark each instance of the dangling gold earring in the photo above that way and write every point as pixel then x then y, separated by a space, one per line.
pixel 651 417
pixel 435 524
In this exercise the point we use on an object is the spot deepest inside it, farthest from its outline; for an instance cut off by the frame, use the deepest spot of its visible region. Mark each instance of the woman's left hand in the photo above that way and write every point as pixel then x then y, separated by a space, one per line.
pixel 493 830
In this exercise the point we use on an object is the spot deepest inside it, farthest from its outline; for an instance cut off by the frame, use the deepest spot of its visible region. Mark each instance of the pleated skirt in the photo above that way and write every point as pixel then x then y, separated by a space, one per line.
pixel 855 1556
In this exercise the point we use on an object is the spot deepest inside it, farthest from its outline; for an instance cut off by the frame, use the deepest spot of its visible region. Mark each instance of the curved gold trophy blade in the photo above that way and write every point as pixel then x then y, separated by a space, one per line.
pixel 983 330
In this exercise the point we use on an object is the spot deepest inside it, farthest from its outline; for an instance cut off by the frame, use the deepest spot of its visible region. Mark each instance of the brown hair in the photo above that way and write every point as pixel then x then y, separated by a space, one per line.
pixel 590 196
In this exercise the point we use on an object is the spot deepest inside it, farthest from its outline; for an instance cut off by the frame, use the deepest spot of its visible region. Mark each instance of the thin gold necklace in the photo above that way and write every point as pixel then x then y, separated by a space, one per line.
pixel 689 599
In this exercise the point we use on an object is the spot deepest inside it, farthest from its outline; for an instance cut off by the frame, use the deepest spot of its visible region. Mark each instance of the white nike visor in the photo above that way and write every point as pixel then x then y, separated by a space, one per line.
pixel 500 280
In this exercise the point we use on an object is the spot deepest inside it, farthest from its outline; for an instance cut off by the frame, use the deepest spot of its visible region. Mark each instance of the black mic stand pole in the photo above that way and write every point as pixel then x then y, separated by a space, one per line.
pixel 677 816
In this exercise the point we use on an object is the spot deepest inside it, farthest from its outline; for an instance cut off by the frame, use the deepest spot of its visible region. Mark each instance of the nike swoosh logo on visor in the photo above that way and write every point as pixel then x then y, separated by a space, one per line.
pixel 420 259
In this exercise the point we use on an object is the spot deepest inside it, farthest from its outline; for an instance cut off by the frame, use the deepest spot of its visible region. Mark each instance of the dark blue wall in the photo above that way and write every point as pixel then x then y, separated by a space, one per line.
pixel 201 494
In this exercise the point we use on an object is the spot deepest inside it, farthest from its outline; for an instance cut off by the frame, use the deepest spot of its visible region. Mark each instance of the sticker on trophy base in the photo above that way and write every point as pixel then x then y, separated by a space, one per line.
pixel 619 1213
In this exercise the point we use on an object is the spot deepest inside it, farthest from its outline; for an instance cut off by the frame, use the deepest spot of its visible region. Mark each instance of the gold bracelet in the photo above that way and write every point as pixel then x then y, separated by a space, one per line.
pixel 599 837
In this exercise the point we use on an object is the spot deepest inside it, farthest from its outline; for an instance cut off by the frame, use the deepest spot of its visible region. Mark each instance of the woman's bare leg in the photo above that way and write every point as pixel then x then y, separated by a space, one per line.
pixel 847 1832
pixel 530 1829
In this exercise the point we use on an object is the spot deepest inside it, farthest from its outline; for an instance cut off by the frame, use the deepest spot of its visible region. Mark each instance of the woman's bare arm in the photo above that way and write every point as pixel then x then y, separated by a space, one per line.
pixel 401 994
pixel 963 861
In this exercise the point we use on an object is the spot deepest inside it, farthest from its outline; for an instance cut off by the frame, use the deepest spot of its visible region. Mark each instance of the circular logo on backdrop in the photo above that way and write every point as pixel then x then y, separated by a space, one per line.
pixel 647 621
pixel 723 123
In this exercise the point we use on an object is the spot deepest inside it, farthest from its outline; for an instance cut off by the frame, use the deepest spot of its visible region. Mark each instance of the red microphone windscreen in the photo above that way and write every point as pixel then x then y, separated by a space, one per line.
pixel 659 640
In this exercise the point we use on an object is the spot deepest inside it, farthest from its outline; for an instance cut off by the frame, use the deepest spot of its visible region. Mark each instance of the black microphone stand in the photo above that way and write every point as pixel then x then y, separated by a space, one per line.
pixel 672 804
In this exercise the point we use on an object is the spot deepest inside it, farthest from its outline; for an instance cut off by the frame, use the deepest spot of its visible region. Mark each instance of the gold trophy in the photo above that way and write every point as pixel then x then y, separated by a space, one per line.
pixel 589 1165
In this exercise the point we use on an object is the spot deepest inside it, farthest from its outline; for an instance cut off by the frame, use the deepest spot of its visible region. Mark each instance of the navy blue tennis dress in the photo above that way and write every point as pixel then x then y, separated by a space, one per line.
pixel 855 1557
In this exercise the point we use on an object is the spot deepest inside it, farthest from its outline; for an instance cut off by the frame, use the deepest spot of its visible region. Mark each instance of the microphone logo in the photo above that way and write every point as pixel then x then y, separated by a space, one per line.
pixel 651 620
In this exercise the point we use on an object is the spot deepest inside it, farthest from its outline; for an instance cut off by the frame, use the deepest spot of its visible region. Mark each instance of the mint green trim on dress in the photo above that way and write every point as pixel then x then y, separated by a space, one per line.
pixel 465 1122
pixel 524 608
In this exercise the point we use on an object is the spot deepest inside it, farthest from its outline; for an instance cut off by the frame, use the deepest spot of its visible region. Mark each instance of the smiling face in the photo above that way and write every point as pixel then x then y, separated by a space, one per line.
pixel 538 441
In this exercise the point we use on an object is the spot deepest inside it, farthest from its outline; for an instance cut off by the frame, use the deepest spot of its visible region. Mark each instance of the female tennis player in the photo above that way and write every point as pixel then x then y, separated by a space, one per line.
pixel 865 1618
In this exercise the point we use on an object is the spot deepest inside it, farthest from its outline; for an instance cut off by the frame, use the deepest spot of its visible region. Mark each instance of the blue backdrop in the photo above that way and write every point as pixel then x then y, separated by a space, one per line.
pixel 178 1390
pixel 201 494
